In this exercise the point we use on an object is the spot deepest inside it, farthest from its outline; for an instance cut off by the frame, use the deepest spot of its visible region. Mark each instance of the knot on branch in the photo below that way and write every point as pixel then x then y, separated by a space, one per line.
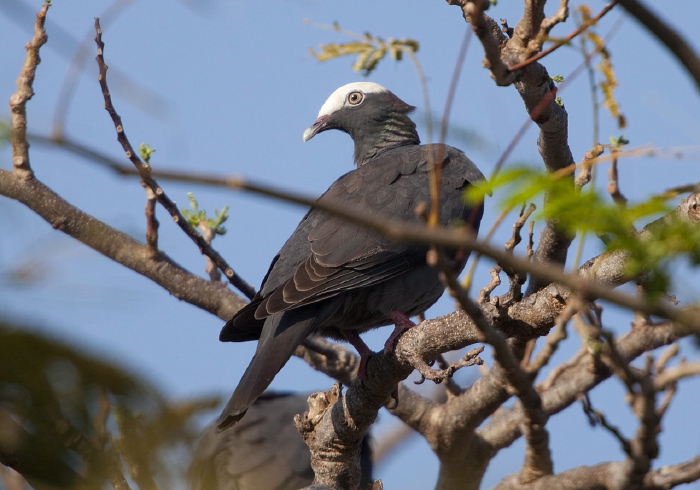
pixel 319 404
pixel 335 458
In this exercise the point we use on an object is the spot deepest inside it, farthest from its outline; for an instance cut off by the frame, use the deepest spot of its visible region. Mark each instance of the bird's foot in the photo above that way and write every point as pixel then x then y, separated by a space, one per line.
pixel 362 368
pixel 402 323
pixel 362 349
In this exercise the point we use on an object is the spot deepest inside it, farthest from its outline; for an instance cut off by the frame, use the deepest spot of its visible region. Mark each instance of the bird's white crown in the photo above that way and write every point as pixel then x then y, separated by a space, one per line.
pixel 338 99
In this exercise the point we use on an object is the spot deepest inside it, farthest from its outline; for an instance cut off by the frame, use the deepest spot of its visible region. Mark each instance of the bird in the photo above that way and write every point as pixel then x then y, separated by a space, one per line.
pixel 336 278
pixel 264 451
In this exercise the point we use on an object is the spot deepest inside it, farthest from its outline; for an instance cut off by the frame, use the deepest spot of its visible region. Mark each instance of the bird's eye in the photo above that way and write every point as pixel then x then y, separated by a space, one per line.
pixel 355 98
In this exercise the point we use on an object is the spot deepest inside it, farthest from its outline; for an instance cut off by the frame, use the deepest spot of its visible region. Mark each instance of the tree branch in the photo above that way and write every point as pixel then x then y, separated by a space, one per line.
pixel 18 100
pixel 120 247
pixel 575 377
pixel 144 170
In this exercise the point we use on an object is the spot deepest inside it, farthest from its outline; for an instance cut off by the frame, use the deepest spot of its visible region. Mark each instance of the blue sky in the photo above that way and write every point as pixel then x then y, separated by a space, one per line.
pixel 234 88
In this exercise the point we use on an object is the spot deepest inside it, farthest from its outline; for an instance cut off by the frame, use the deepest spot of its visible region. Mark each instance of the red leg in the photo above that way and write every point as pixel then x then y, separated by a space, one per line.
pixel 362 349
pixel 402 323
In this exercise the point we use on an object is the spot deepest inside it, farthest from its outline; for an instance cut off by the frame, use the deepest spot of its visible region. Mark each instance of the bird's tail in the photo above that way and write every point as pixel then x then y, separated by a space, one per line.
pixel 281 335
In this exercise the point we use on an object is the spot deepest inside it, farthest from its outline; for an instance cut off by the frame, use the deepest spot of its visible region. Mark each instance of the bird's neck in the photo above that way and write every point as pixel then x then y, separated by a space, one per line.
pixel 396 129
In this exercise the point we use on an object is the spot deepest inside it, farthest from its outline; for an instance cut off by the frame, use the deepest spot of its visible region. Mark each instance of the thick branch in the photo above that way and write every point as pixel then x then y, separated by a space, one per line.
pixel 120 247
pixel 490 35
pixel 602 475
pixel 671 476
pixel 538 92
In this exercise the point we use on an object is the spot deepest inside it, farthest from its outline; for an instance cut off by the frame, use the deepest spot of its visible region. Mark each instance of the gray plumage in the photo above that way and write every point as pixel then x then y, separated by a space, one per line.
pixel 334 277
pixel 263 452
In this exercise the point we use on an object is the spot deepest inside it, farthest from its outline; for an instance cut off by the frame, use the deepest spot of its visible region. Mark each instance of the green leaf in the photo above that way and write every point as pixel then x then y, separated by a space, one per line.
pixel 196 216
pixel 557 78
pixel 146 151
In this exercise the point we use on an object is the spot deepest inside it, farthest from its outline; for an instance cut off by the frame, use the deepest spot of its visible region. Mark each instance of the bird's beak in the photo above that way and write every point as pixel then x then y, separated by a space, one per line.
pixel 321 124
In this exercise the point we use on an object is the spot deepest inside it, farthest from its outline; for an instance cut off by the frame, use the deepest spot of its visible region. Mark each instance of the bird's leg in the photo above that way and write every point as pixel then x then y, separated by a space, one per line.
pixel 402 323
pixel 362 349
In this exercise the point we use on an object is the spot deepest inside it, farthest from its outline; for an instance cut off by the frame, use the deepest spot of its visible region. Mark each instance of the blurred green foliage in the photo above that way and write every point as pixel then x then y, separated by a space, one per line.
pixel 650 254
pixel 73 420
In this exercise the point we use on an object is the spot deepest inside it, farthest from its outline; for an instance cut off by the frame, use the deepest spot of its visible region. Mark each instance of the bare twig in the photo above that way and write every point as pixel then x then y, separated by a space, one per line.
pixel 613 184
pixel 144 170
pixel 530 250
pixel 599 418
pixel 590 158
pixel 209 235
pixel 672 375
pixel 18 100
pixel 471 358
pixel 486 291
pixel 151 222
pixel 671 476
pixel 554 339
pixel 451 387
pixel 515 238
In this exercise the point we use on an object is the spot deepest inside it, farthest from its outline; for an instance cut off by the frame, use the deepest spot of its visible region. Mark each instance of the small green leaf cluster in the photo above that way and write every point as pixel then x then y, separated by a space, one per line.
pixel 593 212
pixel 557 78
pixel 146 151
pixel 196 216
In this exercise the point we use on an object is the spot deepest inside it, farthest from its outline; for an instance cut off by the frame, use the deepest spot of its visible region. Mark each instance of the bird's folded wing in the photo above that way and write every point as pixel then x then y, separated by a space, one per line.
pixel 328 255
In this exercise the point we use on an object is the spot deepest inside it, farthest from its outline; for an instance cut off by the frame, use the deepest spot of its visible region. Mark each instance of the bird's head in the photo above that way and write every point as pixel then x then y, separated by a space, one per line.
pixel 375 118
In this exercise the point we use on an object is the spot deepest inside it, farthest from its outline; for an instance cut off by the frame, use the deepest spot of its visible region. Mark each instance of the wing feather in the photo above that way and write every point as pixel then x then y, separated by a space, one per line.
pixel 327 256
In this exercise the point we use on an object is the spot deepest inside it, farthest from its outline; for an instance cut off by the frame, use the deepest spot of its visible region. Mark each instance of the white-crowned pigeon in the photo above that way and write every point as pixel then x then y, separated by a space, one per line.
pixel 337 278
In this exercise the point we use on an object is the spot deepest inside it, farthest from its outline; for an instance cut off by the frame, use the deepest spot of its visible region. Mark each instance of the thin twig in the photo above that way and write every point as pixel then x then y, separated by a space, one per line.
pixel 556 336
pixel 599 418
pixel 515 238
pixel 151 222
pixel 449 102
pixel 674 374
pixel 590 158
pixel 18 100
pixel 144 170
pixel 613 184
